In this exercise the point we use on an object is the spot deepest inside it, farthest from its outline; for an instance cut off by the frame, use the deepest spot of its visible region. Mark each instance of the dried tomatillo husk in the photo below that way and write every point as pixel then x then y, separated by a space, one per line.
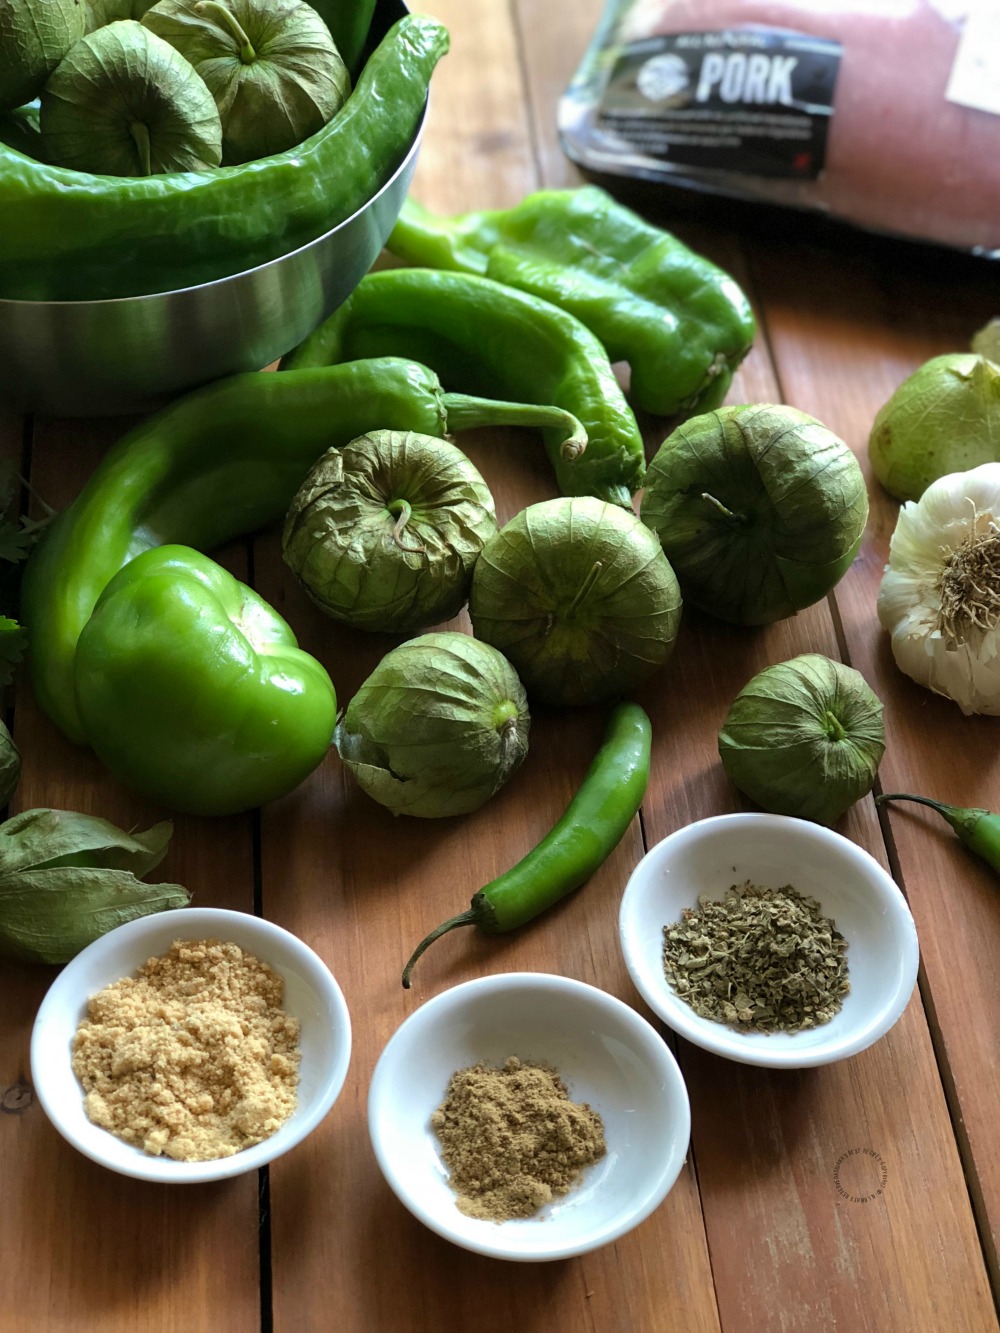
pixel 271 66
pixel 760 509
pixel 67 878
pixel 124 103
pixel 385 532
pixel 805 738
pixel 438 727
pixel 579 596
pixel 34 37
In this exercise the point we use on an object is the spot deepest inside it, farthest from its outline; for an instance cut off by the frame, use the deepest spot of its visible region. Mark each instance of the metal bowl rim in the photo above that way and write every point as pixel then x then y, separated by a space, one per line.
pixel 246 272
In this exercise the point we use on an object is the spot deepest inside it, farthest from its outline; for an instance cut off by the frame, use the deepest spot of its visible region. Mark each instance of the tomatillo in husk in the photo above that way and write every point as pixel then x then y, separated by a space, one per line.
pixel 384 533
pixel 760 509
pixel 577 593
pixel 34 37
pixel 271 66
pixel 438 727
pixel 194 691
pixel 124 103
pixel 805 738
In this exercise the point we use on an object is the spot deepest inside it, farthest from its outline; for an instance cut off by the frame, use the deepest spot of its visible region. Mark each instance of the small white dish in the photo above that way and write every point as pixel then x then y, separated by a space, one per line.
pixel 311 995
pixel 772 851
pixel 606 1054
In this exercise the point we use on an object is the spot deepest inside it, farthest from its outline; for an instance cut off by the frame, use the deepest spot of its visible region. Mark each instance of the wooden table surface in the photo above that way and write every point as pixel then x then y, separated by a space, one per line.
pixel 755 1235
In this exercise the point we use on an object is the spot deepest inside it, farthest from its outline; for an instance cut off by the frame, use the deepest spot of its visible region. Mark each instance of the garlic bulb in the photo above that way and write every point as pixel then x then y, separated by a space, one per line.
pixel 940 593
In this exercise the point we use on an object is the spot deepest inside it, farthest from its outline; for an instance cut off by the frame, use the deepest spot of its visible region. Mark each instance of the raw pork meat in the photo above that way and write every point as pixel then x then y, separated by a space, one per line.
pixel 900 157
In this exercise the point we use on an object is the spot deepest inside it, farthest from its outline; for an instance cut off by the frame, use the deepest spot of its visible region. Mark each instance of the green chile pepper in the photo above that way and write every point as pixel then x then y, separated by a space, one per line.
pixel 492 338
pixel 349 22
pixel 682 323
pixel 69 235
pixel 178 647
pixel 221 462
pixel 978 829
pixel 592 825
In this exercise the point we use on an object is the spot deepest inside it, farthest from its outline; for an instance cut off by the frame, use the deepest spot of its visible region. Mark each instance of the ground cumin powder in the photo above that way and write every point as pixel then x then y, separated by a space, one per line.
pixel 193 1057
pixel 512 1139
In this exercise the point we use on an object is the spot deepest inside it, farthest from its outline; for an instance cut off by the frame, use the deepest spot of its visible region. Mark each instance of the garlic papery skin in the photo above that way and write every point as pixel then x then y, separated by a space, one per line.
pixel 940 593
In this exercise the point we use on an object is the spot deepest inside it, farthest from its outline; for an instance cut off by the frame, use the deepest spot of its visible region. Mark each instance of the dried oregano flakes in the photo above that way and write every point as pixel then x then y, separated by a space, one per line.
pixel 758 959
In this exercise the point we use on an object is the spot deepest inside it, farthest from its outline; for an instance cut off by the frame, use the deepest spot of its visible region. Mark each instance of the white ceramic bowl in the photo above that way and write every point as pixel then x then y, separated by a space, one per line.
pixel 772 851
pixel 311 995
pixel 605 1052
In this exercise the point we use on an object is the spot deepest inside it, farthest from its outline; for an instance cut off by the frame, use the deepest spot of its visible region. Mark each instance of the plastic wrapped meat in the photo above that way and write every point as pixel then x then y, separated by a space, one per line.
pixel 885 114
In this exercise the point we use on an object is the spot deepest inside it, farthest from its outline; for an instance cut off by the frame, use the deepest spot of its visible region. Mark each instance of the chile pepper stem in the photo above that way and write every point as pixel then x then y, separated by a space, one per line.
pixel 404 509
pixel 735 519
pixel 140 136
pixel 921 800
pixel 467 918
pixel 466 413
pixel 247 54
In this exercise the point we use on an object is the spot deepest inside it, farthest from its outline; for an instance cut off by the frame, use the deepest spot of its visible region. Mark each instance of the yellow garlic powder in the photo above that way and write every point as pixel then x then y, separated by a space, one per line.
pixel 193 1057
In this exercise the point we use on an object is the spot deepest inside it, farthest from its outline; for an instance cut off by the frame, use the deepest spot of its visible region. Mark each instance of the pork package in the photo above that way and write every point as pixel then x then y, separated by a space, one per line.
pixel 885 114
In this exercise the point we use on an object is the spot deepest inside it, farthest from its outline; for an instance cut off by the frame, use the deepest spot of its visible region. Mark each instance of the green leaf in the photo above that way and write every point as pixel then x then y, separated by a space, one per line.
pixel 44 839
pixel 48 916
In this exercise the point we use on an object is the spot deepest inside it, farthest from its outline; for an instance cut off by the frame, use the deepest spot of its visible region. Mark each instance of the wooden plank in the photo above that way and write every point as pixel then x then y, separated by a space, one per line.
pixel 384 882
pixel 788 1251
pixel 868 326
pixel 83 1248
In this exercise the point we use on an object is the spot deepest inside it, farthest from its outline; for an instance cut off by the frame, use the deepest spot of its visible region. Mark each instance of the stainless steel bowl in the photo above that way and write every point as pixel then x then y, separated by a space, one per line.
pixel 96 358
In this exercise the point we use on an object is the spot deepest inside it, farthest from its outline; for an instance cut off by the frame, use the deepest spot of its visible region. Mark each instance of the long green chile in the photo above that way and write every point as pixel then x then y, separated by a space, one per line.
pixel 69 235
pixel 349 22
pixel 580 841
pixel 978 829
pixel 219 463
pixel 492 339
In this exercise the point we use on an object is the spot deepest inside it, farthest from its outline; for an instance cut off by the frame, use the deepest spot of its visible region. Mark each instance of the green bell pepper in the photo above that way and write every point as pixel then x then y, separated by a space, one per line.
pixel 221 462
pixel 69 235
pixel 682 323
pixel 194 691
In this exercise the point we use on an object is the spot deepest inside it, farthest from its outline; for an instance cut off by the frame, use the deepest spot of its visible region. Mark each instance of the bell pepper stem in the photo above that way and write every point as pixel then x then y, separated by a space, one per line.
pixel 219 11
pixel 467 918
pixel 466 413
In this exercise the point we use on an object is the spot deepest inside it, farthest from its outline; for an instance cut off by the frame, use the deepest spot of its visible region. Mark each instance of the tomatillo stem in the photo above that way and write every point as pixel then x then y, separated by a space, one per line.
pixel 404 509
pixel 140 136
pixel 727 514
pixel 580 841
pixel 593 574
pixel 833 727
pixel 247 54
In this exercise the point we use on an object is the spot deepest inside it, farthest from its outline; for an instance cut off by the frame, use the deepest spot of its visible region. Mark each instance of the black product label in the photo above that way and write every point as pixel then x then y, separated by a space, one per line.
pixel 754 100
